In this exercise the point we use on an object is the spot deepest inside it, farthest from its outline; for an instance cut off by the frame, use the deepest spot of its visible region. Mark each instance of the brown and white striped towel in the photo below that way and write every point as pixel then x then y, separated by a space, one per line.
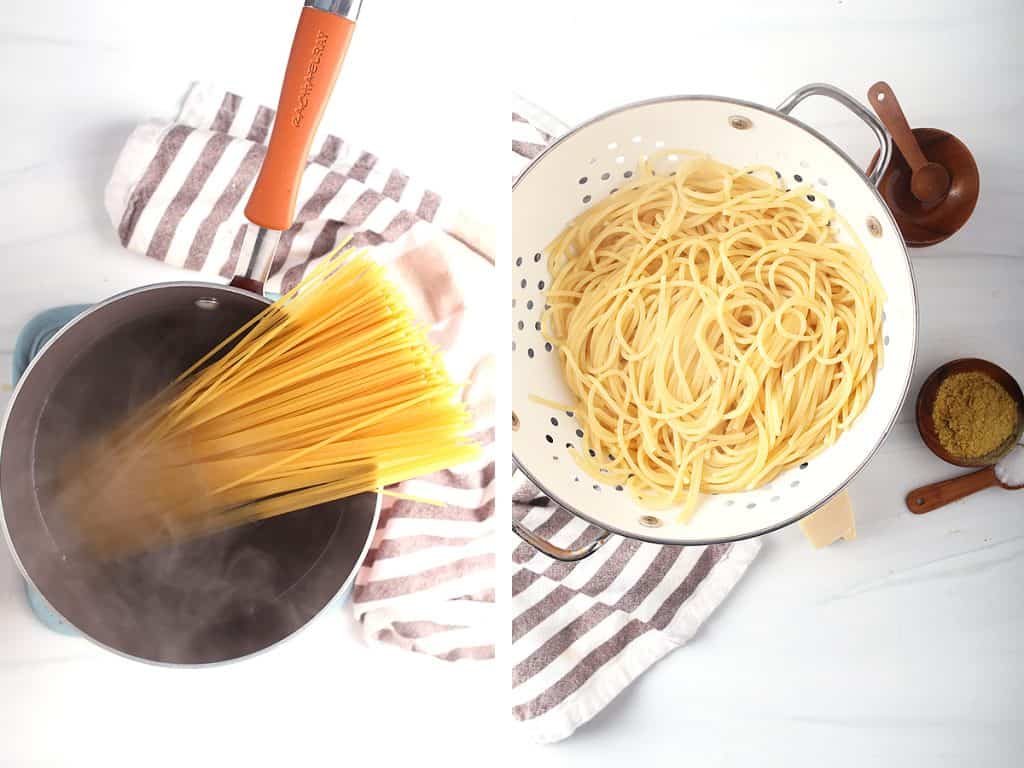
pixel 179 189
pixel 582 632
pixel 177 194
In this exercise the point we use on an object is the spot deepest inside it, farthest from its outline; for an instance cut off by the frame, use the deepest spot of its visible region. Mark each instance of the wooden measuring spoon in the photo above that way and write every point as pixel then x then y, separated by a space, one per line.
pixel 929 497
pixel 929 181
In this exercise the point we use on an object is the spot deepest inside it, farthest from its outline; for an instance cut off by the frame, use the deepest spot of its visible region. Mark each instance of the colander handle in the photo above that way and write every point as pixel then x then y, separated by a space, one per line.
pixel 546 547
pixel 824 89
pixel 558 553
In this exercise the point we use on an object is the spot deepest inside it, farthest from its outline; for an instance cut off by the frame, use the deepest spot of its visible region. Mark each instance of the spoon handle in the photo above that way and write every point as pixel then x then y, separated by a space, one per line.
pixel 888 108
pixel 929 497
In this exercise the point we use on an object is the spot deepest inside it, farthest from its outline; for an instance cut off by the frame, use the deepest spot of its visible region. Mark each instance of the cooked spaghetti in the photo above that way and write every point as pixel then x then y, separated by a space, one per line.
pixel 712 328
pixel 331 391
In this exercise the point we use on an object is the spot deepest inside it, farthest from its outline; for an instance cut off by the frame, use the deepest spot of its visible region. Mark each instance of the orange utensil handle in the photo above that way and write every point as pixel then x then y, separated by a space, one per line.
pixel 320 44
pixel 929 497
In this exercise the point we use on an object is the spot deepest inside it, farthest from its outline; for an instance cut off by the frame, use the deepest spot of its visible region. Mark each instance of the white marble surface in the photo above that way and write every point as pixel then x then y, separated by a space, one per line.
pixel 903 648
pixel 75 77
pixel 906 647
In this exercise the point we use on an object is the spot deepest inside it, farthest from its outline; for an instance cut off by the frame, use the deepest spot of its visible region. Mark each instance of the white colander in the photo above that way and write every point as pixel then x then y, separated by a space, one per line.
pixel 586 165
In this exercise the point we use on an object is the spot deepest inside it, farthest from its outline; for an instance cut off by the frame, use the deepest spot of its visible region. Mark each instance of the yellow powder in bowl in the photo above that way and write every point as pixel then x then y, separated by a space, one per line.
pixel 973 415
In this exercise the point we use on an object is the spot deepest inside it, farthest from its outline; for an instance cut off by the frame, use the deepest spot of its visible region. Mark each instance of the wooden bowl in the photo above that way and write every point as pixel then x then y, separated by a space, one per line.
pixel 926 402
pixel 924 224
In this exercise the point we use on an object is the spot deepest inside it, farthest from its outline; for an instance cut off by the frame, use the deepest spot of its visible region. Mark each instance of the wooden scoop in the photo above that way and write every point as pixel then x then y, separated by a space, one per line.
pixel 929 181
pixel 922 222
pixel 929 497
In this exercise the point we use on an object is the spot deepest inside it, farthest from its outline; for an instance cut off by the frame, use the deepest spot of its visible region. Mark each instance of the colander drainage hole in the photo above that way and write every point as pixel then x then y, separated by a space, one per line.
pixel 586 198
pixel 529 352
pixel 776 498
pixel 519 261
pixel 547 345
pixel 537 257
pixel 583 179
pixel 536 326
pixel 540 285
pixel 579 433
pixel 804 465
pixel 794 484
pixel 521 325
pixel 605 176
pixel 730 502
pixel 751 505
pixel 798 177
pixel 529 304
pixel 554 458
pixel 618 488
pixel 597 487
pixel 554 422
pixel 549 438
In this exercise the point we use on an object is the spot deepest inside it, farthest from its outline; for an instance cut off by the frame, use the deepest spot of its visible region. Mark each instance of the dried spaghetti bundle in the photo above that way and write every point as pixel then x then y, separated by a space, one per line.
pixel 331 391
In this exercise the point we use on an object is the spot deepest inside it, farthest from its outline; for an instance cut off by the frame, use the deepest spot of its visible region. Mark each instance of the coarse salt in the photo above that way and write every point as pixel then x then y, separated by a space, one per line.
pixel 1010 470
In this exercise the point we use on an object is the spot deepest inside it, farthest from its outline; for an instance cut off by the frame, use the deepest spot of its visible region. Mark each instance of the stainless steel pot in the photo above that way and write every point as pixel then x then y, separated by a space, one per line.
pixel 211 600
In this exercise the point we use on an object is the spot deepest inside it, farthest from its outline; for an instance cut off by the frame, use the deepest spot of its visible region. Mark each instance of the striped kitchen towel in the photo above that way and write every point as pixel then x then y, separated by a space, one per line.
pixel 179 189
pixel 582 632
pixel 177 194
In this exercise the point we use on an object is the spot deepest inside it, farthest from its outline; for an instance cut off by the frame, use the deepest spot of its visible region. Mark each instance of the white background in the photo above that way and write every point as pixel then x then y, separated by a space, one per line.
pixel 75 77
pixel 905 648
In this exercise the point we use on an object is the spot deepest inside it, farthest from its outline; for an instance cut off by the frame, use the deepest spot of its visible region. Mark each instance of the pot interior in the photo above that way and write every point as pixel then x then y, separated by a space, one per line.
pixel 208 600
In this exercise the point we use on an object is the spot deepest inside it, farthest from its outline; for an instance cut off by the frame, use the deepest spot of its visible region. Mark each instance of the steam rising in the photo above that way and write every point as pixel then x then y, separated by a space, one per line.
pixel 213 598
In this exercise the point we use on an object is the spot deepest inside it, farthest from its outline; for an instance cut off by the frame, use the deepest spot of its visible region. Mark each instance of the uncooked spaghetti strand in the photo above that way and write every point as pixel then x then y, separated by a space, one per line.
pixel 330 391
